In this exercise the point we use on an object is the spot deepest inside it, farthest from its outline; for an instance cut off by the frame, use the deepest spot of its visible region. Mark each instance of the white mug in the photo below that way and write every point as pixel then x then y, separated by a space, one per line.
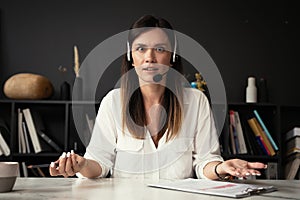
pixel 8 175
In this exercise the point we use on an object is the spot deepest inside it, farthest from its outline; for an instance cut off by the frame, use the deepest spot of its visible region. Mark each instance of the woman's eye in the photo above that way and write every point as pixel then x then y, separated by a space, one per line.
pixel 160 49
pixel 140 49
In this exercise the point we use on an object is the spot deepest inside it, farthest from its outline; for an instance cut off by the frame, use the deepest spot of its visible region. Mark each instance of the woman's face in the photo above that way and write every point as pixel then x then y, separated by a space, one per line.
pixel 151 53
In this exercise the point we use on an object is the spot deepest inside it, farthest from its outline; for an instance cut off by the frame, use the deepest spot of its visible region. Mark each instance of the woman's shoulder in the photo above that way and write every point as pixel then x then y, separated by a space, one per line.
pixel 114 93
pixel 192 93
pixel 112 96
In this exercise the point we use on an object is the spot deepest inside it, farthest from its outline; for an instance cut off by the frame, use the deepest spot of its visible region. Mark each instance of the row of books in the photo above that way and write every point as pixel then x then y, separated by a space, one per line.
pixel 292 167
pixel 292 138
pixel 258 142
pixel 31 133
pixel 4 139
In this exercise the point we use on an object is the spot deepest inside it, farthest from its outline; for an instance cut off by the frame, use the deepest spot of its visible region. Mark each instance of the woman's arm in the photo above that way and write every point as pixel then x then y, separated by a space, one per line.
pixel 91 168
pixel 233 167
pixel 100 153
pixel 69 164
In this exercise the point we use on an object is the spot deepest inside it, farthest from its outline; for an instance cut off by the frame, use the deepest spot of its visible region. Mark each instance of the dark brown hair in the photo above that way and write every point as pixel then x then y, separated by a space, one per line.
pixel 133 110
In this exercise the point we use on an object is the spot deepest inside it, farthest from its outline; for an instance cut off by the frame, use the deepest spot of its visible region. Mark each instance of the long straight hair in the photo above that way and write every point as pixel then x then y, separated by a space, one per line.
pixel 133 109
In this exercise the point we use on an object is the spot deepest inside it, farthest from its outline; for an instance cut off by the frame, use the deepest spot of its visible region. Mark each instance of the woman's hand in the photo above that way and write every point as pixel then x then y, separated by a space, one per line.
pixel 67 165
pixel 240 168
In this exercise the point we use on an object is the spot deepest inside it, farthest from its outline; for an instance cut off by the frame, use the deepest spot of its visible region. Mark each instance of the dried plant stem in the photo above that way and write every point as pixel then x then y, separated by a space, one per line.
pixel 76 61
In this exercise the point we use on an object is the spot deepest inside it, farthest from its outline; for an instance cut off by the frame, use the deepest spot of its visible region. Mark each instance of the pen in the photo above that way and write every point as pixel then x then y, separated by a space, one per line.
pixel 38 166
pixel 47 165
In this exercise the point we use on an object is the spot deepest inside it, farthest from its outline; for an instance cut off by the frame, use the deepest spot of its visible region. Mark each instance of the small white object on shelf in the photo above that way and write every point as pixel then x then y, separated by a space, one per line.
pixel 251 91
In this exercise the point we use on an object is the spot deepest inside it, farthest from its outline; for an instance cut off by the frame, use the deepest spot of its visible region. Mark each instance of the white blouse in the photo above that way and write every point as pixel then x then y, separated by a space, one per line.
pixel 184 156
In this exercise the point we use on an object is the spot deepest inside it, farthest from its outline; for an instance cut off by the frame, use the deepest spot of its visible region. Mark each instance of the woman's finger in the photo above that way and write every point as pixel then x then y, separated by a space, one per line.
pixel 62 164
pixel 69 166
pixel 52 169
pixel 256 165
pixel 76 166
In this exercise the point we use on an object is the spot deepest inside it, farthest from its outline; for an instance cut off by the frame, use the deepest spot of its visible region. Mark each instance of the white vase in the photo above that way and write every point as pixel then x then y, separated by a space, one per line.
pixel 251 91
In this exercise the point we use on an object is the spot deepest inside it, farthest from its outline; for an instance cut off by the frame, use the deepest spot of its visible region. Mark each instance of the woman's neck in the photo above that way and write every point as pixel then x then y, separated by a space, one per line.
pixel 152 94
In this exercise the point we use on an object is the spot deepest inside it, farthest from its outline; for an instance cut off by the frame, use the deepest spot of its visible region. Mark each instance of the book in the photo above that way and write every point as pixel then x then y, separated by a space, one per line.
pixel 292 166
pixel 262 145
pixel 26 136
pixel 232 140
pixel 251 140
pixel 252 123
pixel 24 169
pixel 240 134
pixel 49 141
pixel 211 187
pixel 293 143
pixel 292 138
pixel 4 138
pixel 40 172
pixel 44 146
pixel 19 136
pixel 32 131
pixel 33 172
pixel 265 130
pixel 292 151
pixel 234 133
pixel 40 129
pixel 265 138
pixel 292 133
pixel 22 143
pixel 3 145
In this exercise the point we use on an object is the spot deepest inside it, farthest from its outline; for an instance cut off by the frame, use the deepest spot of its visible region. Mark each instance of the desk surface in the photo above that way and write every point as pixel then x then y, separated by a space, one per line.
pixel 110 189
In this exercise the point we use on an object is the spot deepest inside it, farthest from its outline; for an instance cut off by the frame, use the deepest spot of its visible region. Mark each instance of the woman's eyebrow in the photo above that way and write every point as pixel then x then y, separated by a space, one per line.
pixel 140 45
pixel 161 44
pixel 158 44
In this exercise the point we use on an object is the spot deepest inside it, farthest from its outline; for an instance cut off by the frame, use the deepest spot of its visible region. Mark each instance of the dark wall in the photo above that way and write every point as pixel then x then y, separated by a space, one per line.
pixel 258 38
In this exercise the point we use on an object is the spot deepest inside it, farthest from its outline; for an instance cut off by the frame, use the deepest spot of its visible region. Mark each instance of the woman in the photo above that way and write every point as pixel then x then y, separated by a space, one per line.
pixel 152 127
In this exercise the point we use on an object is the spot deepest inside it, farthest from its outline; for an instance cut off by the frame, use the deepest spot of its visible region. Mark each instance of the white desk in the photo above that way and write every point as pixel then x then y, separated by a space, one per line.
pixel 123 189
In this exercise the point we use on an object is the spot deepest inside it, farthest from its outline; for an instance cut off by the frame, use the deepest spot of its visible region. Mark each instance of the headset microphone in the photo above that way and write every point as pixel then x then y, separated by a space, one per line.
pixel 158 77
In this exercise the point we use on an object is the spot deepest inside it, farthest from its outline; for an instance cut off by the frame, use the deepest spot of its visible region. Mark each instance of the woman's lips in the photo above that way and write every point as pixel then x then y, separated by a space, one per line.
pixel 151 69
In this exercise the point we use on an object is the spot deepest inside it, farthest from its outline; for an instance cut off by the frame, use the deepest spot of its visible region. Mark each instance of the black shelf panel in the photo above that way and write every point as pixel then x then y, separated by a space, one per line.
pixel 35 101
pixel 251 104
pixel 261 158
pixel 35 155
pixel 47 101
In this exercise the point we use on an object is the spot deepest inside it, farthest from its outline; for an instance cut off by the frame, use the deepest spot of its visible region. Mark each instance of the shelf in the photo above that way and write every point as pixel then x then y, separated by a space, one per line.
pixel 253 157
pixel 251 104
pixel 59 124
pixel 47 101
pixel 57 119
pixel 270 115
pixel 35 155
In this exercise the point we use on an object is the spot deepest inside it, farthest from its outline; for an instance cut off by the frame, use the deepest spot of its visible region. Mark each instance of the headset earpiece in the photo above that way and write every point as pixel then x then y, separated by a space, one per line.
pixel 128 51
pixel 175 47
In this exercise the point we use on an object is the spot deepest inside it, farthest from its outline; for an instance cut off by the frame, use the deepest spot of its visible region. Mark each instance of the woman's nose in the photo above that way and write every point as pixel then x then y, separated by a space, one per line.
pixel 150 56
